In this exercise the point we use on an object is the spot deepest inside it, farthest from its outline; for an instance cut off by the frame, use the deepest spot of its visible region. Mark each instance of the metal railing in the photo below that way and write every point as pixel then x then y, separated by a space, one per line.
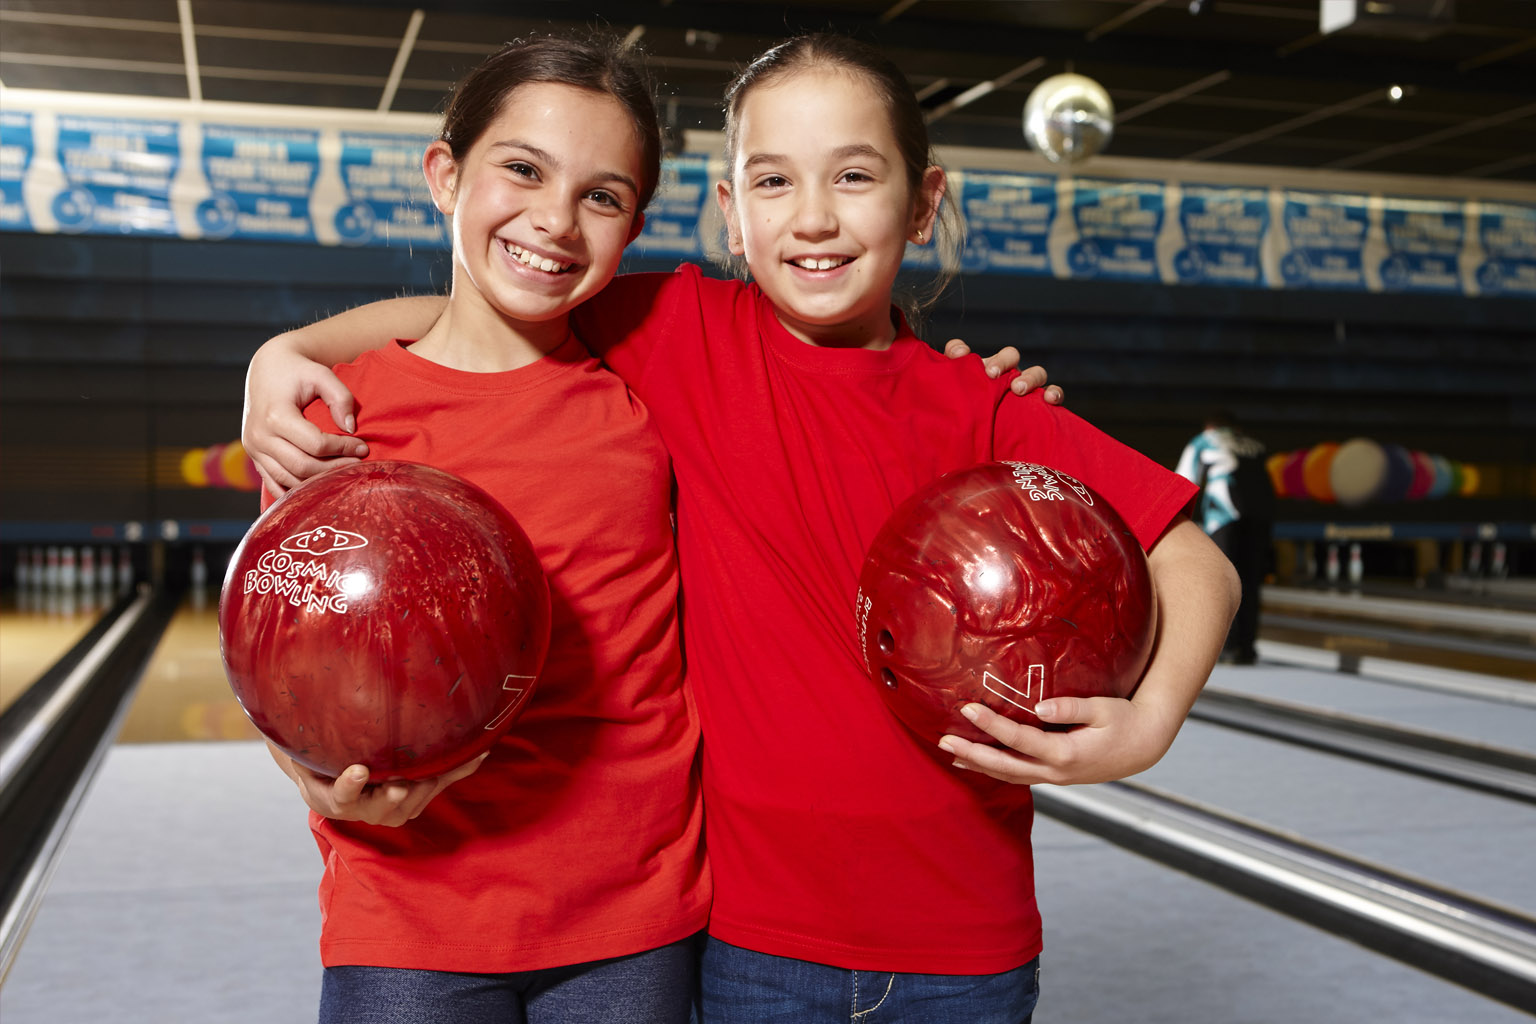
pixel 52 741
pixel 1486 948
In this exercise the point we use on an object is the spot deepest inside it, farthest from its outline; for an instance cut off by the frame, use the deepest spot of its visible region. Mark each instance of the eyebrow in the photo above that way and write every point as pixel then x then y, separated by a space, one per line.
pixel 853 149
pixel 547 157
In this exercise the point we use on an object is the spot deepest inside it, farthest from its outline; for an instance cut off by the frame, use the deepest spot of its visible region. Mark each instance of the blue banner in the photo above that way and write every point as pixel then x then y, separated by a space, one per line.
pixel 1424 239
pixel 1507 234
pixel 1223 229
pixel 1117 226
pixel 260 181
pixel 15 158
pixel 1324 240
pixel 118 174
pixel 386 196
pixel 1008 221
pixel 672 220
pixel 329 186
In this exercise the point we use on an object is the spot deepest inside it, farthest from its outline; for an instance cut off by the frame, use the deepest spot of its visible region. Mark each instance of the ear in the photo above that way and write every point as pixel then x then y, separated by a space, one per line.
pixel 925 206
pixel 442 175
pixel 635 228
pixel 732 222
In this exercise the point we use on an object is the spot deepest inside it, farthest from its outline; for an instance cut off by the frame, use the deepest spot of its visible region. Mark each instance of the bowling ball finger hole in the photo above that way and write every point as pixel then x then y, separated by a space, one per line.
pixel 889 677
pixel 887 643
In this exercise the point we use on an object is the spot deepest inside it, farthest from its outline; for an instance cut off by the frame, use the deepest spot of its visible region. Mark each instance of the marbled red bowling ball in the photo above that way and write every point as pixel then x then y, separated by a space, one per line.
pixel 386 614
pixel 1005 584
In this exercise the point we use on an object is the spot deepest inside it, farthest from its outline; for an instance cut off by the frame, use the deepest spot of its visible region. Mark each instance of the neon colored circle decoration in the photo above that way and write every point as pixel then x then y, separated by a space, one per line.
pixel 213 466
pixel 1399 474
pixel 1275 463
pixel 192 467
pixel 1471 479
pixel 1315 469
pixel 1358 472
pixel 1423 476
pixel 238 469
pixel 1294 486
pixel 1442 485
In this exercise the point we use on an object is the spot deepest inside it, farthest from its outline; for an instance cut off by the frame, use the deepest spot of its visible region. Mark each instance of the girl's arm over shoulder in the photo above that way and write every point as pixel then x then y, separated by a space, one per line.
pixel 293 369
pixel 1197 595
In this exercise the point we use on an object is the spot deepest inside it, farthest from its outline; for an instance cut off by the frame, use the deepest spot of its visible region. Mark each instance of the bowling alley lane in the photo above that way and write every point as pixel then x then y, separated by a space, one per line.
pixel 1452 837
pixel 1439 631
pixel 33 637
pixel 183 694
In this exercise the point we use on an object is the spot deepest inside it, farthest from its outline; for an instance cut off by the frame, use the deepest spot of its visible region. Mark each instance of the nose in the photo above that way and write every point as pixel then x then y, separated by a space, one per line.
pixel 814 215
pixel 555 216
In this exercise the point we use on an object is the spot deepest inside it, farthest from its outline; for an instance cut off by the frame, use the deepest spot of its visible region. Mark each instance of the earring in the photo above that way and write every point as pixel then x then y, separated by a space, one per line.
pixel 919 237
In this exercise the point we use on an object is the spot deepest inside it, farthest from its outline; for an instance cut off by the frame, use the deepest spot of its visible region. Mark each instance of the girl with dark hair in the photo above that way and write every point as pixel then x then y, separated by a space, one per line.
pixel 562 877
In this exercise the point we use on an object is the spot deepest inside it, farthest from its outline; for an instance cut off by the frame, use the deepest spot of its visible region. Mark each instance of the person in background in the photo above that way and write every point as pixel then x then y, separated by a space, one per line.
pixel 1237 510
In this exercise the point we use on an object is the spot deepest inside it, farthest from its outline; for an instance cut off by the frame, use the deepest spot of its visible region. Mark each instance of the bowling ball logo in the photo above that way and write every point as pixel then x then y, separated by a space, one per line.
pixel 323 540
pixel 1004 584
pixel 386 614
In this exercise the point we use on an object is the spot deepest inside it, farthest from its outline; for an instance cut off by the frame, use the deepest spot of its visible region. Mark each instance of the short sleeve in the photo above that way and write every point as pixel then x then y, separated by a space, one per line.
pixel 1146 495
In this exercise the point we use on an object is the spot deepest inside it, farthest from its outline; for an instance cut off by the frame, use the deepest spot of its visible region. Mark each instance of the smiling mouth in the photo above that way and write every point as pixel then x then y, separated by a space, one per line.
pixel 822 263
pixel 534 260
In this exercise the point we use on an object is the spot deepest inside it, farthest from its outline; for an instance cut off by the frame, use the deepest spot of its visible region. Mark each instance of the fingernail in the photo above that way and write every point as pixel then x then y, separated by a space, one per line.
pixel 350 425
pixel 357 773
pixel 970 712
pixel 1045 709
pixel 962 766
pixel 947 745
pixel 993 371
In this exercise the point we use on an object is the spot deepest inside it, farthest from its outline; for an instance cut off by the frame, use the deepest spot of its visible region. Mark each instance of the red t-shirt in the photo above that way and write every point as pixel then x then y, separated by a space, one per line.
pixel 834 835
pixel 580 837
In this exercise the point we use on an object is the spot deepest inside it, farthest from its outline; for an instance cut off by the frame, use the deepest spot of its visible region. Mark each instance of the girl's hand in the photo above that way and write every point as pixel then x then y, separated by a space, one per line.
pixel 1005 359
pixel 1111 739
pixel 286 447
pixel 350 797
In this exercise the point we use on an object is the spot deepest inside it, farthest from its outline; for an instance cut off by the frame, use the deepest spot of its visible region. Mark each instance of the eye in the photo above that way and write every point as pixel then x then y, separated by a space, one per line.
pixel 772 181
pixel 855 177
pixel 602 197
pixel 522 169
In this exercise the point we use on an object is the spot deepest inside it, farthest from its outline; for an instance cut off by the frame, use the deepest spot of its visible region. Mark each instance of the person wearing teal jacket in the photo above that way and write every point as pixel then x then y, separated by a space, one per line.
pixel 1236 510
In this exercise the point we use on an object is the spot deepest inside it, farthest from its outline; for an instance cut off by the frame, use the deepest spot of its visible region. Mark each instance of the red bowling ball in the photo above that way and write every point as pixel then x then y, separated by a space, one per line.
pixel 1003 584
pixel 386 614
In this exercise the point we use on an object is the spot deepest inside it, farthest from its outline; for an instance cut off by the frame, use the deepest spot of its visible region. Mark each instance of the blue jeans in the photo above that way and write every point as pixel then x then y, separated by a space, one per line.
pixel 654 987
pixel 743 987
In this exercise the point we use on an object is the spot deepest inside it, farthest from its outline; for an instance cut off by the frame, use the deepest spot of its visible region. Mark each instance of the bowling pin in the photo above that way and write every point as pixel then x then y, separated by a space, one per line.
pixel 1356 565
pixel 87 579
pixel 51 569
pixel 23 569
pixel 39 573
pixel 68 576
pixel 1333 563
pixel 104 572
pixel 1499 566
pixel 124 569
pixel 1475 560
pixel 199 593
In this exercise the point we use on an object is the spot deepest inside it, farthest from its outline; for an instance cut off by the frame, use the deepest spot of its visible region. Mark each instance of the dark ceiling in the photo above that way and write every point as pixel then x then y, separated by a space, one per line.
pixel 1218 80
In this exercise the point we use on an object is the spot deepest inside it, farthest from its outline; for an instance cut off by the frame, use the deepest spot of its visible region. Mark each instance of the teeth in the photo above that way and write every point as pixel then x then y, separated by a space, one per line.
pixel 825 263
pixel 534 260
